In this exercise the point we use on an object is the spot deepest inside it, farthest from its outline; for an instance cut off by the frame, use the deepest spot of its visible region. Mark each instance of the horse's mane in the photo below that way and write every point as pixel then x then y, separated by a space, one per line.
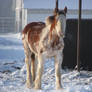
pixel 51 20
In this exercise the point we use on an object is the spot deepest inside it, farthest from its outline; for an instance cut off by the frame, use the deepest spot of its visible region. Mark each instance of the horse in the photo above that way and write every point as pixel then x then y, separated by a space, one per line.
pixel 44 40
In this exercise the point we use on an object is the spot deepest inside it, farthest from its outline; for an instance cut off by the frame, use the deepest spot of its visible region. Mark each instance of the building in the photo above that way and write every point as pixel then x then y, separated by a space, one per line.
pixel 12 15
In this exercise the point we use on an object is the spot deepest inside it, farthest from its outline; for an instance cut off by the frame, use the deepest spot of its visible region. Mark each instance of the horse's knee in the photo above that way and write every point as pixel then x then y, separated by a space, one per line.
pixel 59 58
pixel 26 60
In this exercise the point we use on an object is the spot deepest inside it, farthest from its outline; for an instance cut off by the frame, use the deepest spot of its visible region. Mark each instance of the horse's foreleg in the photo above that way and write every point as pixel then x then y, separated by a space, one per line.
pixel 39 72
pixel 58 62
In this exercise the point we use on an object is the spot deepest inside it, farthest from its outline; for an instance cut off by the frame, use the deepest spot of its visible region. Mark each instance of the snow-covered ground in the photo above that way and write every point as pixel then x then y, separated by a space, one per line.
pixel 13 70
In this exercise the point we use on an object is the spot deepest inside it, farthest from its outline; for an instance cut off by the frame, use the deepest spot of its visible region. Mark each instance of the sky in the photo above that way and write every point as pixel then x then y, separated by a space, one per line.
pixel 50 4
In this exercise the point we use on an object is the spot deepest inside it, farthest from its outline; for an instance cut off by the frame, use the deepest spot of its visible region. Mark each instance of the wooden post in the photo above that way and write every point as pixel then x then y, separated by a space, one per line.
pixel 56 4
pixel 56 8
pixel 78 37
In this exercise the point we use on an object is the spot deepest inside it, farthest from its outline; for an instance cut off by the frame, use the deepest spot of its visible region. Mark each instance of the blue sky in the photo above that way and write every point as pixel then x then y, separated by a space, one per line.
pixel 71 4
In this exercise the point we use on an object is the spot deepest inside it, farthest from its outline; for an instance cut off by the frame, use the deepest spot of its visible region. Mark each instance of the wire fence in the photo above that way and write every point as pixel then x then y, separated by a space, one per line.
pixel 7 24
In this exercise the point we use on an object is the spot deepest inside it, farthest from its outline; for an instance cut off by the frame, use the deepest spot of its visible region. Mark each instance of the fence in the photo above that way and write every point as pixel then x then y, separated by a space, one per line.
pixel 7 24
pixel 13 24
pixel 41 14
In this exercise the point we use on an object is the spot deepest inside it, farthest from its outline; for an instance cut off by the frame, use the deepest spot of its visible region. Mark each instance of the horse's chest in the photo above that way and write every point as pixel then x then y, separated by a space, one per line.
pixel 56 43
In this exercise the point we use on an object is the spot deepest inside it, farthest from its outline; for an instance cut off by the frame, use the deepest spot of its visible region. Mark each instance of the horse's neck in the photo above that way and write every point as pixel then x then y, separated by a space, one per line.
pixel 46 32
pixel 45 36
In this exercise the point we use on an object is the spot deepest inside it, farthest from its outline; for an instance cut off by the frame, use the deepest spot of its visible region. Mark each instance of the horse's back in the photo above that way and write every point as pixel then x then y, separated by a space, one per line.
pixel 33 26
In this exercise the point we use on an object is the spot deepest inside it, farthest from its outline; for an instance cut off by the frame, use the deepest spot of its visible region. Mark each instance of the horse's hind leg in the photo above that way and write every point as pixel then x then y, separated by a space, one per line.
pixel 28 64
pixel 58 62
pixel 33 66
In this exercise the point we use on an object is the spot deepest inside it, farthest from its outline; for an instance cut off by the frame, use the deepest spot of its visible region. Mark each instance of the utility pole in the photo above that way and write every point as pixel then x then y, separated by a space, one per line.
pixel 56 8
pixel 78 36
pixel 56 4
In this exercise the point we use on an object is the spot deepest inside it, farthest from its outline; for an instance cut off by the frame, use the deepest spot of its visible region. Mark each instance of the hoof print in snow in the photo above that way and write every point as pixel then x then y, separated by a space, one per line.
pixel 9 63
pixel 6 71
pixel 16 67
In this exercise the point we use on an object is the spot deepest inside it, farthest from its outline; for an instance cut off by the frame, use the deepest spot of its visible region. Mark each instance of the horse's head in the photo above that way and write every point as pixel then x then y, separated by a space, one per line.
pixel 61 22
pixel 57 22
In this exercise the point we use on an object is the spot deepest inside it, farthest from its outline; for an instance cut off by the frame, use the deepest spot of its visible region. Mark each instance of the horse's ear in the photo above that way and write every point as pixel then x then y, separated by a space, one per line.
pixel 65 9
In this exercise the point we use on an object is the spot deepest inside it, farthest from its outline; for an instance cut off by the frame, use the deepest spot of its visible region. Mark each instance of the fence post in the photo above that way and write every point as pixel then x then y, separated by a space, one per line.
pixel 78 37
pixel 56 4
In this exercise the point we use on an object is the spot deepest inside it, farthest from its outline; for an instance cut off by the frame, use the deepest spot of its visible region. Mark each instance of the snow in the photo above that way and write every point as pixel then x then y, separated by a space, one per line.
pixel 13 70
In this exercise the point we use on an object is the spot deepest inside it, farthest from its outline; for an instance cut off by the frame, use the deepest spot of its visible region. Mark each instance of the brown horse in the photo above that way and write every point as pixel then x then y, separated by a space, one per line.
pixel 41 41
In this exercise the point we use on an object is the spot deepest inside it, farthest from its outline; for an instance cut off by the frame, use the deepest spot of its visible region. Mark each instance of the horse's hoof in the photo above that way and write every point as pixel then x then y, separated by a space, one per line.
pixel 29 85
pixel 59 88
pixel 37 88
